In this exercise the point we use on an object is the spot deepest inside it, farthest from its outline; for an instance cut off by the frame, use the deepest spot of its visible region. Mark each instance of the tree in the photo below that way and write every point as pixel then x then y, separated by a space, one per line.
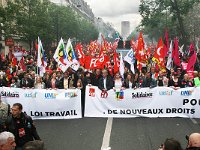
pixel 160 14
pixel 28 19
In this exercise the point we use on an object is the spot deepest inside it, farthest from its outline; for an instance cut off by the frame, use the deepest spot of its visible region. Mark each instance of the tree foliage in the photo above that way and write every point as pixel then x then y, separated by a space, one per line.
pixel 28 19
pixel 157 15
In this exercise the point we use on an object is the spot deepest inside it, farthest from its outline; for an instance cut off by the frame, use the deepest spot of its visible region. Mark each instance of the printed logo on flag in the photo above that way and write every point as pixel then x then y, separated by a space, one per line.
pixel 119 95
pixel 186 93
pixel 92 92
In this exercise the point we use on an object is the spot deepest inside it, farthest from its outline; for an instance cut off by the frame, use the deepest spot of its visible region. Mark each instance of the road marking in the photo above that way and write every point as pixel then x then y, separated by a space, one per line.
pixel 194 121
pixel 107 133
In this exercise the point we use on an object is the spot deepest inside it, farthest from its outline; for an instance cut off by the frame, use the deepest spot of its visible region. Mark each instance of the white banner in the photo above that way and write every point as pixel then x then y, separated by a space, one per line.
pixel 45 104
pixel 144 102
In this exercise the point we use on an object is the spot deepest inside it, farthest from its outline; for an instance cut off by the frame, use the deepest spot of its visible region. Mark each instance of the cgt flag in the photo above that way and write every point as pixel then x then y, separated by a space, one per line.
pixel 60 56
pixel 159 54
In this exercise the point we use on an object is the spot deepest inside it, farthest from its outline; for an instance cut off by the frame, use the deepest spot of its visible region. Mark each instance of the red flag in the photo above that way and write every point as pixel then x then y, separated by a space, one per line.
pixel 22 64
pixel 94 63
pixel 81 55
pixel 108 65
pixel 14 61
pixel 36 45
pixel 140 48
pixel 191 48
pixel 192 61
pixel 133 44
pixel 2 56
pixel 115 44
pixel 159 55
pixel 175 54
pixel 116 63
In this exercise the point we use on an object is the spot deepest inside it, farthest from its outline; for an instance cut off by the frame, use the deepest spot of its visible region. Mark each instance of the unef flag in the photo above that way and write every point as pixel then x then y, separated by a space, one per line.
pixel 60 56
pixel 71 57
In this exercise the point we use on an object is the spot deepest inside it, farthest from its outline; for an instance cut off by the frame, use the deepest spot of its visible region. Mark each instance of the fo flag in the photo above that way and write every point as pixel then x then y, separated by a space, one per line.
pixel 60 56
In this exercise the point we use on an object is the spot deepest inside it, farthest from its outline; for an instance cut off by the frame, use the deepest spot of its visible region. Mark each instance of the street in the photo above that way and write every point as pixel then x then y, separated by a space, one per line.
pixel 114 134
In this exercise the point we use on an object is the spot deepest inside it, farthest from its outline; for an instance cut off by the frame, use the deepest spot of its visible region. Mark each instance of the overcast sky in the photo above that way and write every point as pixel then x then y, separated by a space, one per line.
pixel 115 11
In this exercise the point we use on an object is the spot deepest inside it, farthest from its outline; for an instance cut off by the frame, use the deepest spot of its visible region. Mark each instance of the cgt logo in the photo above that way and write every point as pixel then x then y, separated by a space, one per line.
pixel 186 93
pixel 50 95
pixel 92 92
pixel 31 95
pixel 119 95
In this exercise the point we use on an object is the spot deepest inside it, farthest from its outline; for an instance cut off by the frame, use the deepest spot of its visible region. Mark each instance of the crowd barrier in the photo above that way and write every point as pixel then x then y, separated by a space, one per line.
pixel 144 102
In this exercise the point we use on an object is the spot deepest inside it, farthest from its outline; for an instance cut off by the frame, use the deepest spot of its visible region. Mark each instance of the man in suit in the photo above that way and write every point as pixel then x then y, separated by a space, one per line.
pixel 27 82
pixel 105 82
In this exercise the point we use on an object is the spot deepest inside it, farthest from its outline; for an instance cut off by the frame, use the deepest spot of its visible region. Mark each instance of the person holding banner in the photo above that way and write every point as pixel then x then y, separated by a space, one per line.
pixel 21 125
pixel 186 82
pixel 175 82
pixel 129 81
pixel 27 82
pixel 118 83
pixel 39 84
pixel 106 82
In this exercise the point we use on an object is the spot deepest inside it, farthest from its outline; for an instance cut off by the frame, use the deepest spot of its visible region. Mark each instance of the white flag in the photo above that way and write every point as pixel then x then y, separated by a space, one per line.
pixel 121 67
pixel 129 58
pixel 71 57
pixel 41 60
pixel 169 60
pixel 60 56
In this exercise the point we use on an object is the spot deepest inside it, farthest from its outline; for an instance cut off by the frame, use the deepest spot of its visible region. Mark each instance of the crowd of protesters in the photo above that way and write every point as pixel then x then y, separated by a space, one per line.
pixel 148 77
pixel 54 78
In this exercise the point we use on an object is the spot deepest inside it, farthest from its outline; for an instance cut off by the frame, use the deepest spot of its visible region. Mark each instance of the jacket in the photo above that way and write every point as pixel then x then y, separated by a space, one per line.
pixel 109 83
pixel 22 128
